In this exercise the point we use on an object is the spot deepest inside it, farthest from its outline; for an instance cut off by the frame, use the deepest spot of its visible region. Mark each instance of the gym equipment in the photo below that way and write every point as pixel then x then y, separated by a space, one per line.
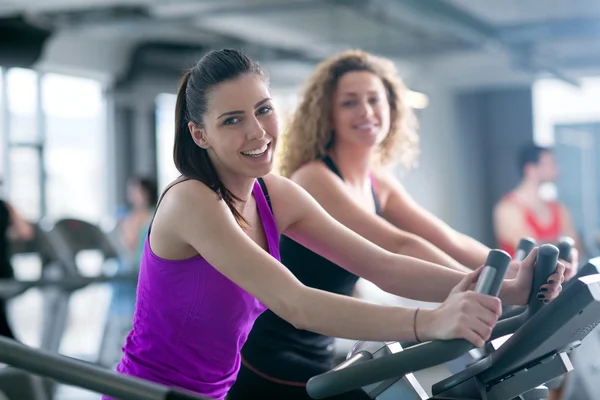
pixel 60 278
pixel 78 236
pixel 524 248
pixel 564 245
pixel 536 353
pixel 363 370
pixel 432 375
pixel 82 374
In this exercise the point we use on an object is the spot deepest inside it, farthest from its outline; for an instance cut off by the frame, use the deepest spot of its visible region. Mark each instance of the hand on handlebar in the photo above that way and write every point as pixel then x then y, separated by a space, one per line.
pixel 464 315
pixel 512 270
pixel 572 267
pixel 516 291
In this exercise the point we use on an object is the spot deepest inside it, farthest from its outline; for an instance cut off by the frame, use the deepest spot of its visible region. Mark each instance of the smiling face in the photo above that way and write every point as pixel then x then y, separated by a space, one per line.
pixel 239 129
pixel 360 110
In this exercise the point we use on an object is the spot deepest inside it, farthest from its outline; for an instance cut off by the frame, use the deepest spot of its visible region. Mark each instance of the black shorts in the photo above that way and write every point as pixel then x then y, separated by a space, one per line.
pixel 252 384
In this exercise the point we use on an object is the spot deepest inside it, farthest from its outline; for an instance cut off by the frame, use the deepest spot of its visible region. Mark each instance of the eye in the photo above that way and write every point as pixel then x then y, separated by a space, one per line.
pixel 231 121
pixel 265 110
pixel 374 100
pixel 349 103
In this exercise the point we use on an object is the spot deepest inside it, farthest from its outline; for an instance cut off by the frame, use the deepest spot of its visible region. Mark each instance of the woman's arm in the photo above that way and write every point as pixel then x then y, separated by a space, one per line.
pixel 329 191
pixel 397 274
pixel 315 229
pixel 401 210
pixel 191 215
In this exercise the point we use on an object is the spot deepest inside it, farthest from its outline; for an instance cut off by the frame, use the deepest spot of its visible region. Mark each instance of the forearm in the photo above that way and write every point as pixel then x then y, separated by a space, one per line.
pixel 414 278
pixel 467 251
pixel 424 250
pixel 349 318
pixel 423 281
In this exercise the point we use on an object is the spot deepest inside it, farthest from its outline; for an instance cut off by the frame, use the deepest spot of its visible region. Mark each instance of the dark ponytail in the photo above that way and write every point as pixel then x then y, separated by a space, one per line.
pixel 191 160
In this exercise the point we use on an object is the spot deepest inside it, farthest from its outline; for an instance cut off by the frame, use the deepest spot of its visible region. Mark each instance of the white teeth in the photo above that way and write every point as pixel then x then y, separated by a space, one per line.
pixel 256 151
pixel 365 126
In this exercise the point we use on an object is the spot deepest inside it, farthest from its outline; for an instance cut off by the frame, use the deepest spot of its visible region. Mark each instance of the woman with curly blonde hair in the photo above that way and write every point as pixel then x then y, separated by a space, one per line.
pixel 353 120
pixel 310 133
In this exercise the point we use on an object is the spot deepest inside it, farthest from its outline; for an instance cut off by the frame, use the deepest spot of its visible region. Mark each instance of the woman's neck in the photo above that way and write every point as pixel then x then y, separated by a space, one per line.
pixel 354 164
pixel 240 187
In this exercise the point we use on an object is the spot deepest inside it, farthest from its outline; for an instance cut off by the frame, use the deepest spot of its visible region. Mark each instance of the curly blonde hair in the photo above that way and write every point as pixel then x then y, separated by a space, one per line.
pixel 308 135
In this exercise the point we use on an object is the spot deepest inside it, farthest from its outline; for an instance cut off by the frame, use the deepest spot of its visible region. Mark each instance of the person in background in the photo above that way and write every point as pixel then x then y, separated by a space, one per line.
pixel 13 227
pixel 142 195
pixel 352 123
pixel 523 212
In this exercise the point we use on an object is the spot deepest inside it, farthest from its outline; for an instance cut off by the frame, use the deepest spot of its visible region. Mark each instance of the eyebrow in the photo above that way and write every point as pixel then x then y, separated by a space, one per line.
pixel 238 112
pixel 356 94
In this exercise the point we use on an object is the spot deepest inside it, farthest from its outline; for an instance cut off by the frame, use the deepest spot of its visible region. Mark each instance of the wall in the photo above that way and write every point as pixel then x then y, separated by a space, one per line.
pixel 492 125
pixel 431 183
pixel 469 140
pixel 479 113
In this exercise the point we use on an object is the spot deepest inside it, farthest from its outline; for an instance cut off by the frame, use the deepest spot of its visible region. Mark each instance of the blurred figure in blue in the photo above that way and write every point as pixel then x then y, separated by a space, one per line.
pixel 142 195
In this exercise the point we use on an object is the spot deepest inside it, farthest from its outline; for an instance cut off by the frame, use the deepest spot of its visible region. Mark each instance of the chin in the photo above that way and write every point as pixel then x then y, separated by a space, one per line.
pixel 259 171
pixel 372 143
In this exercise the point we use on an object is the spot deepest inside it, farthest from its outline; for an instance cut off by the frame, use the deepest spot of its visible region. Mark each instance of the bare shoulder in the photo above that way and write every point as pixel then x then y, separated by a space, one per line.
pixel 563 208
pixel 189 217
pixel 188 195
pixel 385 181
pixel 564 211
pixel 314 173
pixel 506 208
pixel 187 201
pixel 287 199
pixel 278 187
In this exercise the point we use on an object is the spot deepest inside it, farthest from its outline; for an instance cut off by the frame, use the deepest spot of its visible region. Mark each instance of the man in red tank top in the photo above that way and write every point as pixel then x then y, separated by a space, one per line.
pixel 523 212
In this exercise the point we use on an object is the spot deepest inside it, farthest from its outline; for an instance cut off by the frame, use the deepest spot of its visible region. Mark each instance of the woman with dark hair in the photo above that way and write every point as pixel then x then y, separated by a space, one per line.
pixel 14 227
pixel 211 265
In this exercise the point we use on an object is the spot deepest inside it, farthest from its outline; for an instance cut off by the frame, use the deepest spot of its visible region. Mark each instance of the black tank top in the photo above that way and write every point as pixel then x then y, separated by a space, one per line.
pixel 5 267
pixel 271 334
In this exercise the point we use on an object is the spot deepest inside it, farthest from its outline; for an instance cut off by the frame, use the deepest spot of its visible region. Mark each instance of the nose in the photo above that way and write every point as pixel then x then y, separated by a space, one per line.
pixel 255 130
pixel 366 108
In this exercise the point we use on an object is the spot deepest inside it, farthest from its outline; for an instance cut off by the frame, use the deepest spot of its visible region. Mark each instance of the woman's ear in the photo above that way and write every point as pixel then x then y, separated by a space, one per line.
pixel 198 135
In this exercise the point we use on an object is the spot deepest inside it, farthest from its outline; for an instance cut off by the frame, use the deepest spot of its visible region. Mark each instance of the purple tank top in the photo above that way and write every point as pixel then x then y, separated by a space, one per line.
pixel 190 321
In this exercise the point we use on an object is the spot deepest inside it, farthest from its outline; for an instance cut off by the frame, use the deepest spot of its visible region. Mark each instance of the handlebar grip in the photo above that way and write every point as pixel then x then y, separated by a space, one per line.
pixel 493 273
pixel 545 265
pixel 524 248
pixel 565 244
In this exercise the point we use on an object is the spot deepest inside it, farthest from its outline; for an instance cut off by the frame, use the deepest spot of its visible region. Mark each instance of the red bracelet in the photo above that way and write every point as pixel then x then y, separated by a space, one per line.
pixel 415 325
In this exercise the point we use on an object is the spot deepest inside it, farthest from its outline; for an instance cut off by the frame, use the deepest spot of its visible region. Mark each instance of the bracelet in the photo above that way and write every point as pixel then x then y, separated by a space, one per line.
pixel 415 325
